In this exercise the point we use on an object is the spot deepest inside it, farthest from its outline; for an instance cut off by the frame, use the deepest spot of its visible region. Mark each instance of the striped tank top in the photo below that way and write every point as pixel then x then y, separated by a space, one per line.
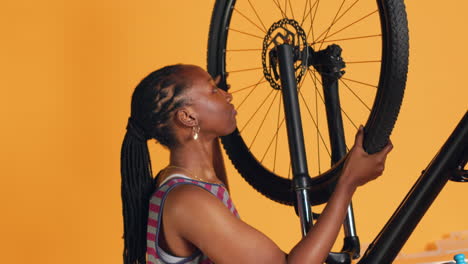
pixel 154 254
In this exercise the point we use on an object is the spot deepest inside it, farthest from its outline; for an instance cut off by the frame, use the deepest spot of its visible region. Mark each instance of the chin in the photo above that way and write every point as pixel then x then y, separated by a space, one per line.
pixel 231 130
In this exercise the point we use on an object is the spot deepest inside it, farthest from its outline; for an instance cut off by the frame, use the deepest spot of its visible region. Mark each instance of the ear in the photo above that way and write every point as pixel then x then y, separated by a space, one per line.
pixel 187 117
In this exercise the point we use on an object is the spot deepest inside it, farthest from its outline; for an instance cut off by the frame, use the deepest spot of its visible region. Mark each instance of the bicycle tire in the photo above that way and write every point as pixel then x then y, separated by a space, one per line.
pixel 379 125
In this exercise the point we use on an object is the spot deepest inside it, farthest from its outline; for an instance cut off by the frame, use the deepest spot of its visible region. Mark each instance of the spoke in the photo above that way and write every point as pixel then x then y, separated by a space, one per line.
pixel 316 116
pixel 370 61
pixel 251 91
pixel 244 88
pixel 310 114
pixel 245 33
pixel 332 23
pixel 302 82
pixel 259 19
pixel 346 11
pixel 359 98
pixel 315 123
pixel 316 88
pixel 304 13
pixel 371 85
pixel 338 106
pixel 277 129
pixel 312 18
pixel 243 70
pixel 263 120
pixel 237 50
pixel 248 19
pixel 275 136
pixel 364 17
pixel 349 118
pixel 285 7
pixel 256 111
pixel 338 19
pixel 290 8
pixel 279 7
pixel 353 38
pixel 308 13
pixel 323 101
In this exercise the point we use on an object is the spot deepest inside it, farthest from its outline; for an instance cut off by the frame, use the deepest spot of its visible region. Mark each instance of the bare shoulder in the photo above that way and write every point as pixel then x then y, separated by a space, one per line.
pixel 189 200
pixel 203 220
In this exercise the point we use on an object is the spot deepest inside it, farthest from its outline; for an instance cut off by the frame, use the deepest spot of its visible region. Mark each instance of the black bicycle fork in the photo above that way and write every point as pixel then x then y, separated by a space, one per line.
pixel 300 171
pixel 447 165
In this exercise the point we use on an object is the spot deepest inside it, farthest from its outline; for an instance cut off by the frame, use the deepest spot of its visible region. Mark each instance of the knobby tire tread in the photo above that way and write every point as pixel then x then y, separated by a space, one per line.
pixel 377 129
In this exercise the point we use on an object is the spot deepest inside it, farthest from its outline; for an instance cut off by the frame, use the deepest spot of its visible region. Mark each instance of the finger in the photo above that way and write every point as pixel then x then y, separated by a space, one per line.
pixel 387 148
pixel 359 136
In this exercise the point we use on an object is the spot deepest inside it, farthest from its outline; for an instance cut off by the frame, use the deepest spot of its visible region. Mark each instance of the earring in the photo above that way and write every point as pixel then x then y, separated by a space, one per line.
pixel 195 131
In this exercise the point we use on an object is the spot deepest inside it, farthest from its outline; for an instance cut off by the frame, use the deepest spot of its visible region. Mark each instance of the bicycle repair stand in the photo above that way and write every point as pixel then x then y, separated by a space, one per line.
pixel 447 165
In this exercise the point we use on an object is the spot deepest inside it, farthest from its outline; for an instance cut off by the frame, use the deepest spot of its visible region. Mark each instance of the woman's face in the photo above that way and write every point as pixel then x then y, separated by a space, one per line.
pixel 212 106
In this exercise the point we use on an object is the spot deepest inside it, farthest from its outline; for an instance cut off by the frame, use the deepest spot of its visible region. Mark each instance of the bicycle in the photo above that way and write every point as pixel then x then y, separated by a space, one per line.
pixel 289 54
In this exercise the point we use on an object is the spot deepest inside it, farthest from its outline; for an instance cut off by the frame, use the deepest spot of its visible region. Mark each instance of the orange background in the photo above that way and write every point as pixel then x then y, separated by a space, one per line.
pixel 68 70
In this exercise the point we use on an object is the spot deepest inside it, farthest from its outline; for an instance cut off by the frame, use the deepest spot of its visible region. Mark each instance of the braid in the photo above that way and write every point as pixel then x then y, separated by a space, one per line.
pixel 170 98
pixel 153 102
pixel 156 98
pixel 136 188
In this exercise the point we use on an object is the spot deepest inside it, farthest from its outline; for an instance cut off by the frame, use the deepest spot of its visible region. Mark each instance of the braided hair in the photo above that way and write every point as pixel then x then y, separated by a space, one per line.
pixel 154 101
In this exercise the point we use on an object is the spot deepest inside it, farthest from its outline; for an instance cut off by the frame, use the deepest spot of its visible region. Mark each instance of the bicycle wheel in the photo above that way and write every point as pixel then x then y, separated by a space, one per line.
pixel 373 36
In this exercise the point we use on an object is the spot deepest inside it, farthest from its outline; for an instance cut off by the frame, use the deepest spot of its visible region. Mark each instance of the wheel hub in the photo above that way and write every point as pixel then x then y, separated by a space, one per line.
pixel 328 62
pixel 285 31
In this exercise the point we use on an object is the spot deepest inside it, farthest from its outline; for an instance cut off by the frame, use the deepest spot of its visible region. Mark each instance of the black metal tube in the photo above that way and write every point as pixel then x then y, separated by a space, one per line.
pixel 334 118
pixel 295 135
pixel 291 109
pixel 394 235
pixel 338 151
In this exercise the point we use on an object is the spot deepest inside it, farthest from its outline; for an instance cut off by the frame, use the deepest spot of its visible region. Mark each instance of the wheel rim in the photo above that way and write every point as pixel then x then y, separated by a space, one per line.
pixel 250 83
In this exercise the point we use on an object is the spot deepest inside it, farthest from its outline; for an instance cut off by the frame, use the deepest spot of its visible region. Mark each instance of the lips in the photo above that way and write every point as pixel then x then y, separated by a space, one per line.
pixel 234 112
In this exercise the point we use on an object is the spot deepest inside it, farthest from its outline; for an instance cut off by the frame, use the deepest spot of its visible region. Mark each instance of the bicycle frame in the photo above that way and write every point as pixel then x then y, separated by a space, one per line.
pixel 447 165
pixel 449 161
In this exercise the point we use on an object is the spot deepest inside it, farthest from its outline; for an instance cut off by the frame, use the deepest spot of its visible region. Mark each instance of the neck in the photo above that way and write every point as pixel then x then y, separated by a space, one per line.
pixel 195 156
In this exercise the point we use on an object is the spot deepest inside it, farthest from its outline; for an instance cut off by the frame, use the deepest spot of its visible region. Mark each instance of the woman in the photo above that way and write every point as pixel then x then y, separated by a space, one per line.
pixel 191 218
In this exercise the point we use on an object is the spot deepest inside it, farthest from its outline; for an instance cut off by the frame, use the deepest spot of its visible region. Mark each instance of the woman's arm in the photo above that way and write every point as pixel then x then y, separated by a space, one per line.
pixel 316 245
pixel 202 219
pixel 359 169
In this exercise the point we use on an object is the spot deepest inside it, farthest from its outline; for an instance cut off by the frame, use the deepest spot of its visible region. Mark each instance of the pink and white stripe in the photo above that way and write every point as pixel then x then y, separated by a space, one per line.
pixel 154 218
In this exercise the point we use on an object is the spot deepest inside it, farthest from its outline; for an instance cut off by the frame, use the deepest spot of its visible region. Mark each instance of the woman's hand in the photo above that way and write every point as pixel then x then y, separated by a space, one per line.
pixel 361 167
